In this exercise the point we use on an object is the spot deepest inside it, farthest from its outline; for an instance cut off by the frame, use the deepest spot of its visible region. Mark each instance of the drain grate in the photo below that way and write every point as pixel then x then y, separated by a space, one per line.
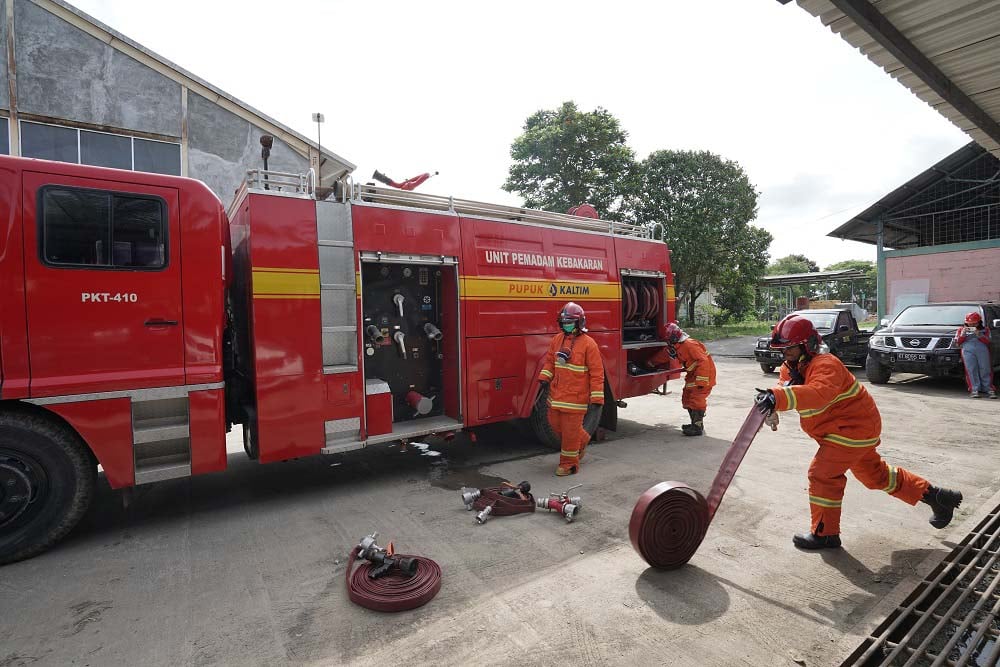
pixel 951 616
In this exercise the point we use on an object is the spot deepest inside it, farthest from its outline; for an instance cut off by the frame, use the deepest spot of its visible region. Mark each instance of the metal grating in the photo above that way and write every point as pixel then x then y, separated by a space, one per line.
pixel 951 617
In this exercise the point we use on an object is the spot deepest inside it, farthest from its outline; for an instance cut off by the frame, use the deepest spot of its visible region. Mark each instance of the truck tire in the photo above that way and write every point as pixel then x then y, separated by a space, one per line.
pixel 47 480
pixel 540 422
pixel 877 373
pixel 767 368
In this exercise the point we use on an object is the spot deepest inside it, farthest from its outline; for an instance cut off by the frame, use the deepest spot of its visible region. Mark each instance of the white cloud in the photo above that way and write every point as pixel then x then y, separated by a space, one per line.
pixel 411 87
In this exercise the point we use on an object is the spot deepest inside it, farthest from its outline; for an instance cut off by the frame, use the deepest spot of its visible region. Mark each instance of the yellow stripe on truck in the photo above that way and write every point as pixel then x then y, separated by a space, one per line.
pixel 285 283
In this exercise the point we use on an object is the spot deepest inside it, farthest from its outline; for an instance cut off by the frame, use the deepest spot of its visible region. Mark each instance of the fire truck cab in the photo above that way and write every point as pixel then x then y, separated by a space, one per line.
pixel 140 321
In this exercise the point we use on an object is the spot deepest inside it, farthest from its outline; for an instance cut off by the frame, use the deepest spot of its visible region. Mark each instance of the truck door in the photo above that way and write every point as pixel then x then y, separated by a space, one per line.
pixel 991 314
pixel 847 337
pixel 103 285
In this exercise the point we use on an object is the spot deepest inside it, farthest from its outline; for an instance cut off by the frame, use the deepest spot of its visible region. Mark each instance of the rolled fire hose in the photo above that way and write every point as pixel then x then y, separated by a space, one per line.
pixel 503 505
pixel 393 591
pixel 670 520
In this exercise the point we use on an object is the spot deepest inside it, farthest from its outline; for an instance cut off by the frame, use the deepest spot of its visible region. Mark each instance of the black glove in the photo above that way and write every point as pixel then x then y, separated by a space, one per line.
pixel 672 351
pixel 594 408
pixel 543 384
pixel 765 401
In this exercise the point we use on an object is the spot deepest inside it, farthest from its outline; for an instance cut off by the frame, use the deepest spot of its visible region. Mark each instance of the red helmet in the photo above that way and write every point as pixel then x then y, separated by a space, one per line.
pixel 973 319
pixel 674 333
pixel 572 312
pixel 795 330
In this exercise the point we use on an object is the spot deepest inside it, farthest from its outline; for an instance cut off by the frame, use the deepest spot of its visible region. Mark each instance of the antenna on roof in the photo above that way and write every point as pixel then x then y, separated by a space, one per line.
pixel 318 118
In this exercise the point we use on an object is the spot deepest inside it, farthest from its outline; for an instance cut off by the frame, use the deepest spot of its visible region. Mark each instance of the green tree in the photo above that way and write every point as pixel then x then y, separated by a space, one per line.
pixel 791 264
pixel 567 157
pixel 737 284
pixel 864 288
pixel 706 204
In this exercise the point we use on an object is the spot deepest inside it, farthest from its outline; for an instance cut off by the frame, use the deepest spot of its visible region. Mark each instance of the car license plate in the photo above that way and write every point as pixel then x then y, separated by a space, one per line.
pixel 776 355
pixel 911 356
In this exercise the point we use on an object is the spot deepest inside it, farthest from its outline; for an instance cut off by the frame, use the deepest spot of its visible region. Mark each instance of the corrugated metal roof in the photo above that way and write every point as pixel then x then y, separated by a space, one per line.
pixel 960 37
pixel 862 226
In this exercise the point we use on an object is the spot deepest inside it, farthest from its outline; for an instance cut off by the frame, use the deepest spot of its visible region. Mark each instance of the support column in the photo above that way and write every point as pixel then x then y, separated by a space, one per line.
pixel 880 267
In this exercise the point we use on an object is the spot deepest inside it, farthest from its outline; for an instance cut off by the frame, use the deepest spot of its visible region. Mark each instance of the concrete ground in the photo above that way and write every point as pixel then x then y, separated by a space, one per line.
pixel 247 567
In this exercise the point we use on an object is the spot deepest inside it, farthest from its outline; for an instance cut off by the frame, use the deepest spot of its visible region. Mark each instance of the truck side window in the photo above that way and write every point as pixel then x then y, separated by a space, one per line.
pixel 100 229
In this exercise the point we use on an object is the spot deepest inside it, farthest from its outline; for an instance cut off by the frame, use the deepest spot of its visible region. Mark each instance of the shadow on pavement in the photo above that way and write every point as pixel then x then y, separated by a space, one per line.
pixel 688 595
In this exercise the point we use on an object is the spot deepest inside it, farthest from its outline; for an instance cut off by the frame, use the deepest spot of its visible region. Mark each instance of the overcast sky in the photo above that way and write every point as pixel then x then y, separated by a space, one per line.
pixel 408 87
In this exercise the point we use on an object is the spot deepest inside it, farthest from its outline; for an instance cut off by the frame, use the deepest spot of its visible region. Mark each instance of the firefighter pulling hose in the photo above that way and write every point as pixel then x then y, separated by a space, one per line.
pixel 389 581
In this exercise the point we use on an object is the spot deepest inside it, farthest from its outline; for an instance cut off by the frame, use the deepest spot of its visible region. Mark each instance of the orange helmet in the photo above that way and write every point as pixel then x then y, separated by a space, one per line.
pixel 795 330
pixel 973 319
pixel 574 313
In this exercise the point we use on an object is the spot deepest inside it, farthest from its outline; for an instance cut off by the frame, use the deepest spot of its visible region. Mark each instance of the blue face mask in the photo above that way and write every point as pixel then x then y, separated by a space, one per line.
pixel 568 327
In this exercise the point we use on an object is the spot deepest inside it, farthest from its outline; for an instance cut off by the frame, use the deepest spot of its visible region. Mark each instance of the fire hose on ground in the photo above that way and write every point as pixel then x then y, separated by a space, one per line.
pixel 505 500
pixel 389 581
pixel 670 520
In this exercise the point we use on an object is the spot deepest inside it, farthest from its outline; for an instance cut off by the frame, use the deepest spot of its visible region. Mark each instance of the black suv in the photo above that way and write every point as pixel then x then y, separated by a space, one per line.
pixel 921 339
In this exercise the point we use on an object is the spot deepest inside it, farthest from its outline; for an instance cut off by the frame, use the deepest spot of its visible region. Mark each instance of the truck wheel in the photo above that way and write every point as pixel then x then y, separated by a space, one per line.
pixel 877 373
pixel 47 480
pixel 540 422
pixel 767 368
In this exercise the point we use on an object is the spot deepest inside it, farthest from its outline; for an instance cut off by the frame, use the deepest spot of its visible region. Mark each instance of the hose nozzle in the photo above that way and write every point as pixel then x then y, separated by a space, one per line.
pixel 433 332
pixel 484 516
pixel 374 334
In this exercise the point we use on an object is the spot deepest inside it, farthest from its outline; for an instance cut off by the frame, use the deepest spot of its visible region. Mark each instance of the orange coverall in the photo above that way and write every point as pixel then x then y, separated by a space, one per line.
pixel 573 385
pixel 700 378
pixel 839 414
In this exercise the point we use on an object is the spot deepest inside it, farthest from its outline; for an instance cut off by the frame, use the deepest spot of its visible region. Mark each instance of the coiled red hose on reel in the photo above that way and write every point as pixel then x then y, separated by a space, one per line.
pixel 394 591
pixel 670 520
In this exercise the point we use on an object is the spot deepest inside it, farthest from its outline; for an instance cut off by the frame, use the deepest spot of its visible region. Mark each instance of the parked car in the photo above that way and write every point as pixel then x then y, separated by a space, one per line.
pixel 921 339
pixel 840 333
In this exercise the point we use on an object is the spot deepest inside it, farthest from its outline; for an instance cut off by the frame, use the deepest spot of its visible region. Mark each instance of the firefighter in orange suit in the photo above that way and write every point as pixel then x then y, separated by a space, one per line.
pixel 574 372
pixel 837 412
pixel 700 378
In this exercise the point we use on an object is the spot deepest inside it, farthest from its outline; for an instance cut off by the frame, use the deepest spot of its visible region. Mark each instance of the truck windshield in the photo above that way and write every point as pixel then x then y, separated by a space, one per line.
pixel 819 320
pixel 931 315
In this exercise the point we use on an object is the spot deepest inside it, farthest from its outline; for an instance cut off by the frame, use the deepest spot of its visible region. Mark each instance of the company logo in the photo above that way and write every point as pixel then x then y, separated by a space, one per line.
pixel 568 290
pixel 914 342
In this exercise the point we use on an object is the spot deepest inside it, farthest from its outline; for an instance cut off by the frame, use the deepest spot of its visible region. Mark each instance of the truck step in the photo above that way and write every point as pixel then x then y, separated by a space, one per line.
pixel 161 468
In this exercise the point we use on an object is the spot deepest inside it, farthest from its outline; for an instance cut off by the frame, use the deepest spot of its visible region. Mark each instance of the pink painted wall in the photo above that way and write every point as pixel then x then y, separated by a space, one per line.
pixel 944 276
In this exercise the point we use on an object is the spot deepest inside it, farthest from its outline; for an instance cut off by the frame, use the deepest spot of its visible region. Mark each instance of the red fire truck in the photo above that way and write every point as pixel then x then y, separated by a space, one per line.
pixel 140 321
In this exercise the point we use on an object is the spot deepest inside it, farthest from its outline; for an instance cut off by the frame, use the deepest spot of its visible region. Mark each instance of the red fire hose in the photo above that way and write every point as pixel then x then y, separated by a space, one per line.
pixel 503 505
pixel 670 520
pixel 393 591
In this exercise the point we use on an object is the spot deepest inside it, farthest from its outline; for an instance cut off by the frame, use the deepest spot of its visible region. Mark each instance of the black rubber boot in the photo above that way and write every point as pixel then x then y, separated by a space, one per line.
pixel 697 425
pixel 812 541
pixel 943 503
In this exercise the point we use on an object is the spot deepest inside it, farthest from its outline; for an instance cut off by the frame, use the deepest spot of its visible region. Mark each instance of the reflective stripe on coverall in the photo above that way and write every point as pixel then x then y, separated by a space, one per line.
pixel 700 378
pixel 573 385
pixel 840 415
pixel 976 359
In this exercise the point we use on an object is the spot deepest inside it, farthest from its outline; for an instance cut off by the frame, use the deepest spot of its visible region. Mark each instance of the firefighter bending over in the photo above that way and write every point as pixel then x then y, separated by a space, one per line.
pixel 839 414
pixel 700 378
pixel 574 373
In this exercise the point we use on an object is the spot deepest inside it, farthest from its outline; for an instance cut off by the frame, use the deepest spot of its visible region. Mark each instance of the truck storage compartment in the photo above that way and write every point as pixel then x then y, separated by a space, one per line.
pixel 410 337
pixel 643 306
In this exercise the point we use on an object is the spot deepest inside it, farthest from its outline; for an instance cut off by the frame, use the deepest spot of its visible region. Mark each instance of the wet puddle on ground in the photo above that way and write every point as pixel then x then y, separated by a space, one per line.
pixel 456 478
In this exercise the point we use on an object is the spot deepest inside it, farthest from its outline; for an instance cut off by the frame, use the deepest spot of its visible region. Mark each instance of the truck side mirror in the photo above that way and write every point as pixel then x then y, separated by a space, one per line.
pixel 885 321
pixel 843 327
pixel 996 324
